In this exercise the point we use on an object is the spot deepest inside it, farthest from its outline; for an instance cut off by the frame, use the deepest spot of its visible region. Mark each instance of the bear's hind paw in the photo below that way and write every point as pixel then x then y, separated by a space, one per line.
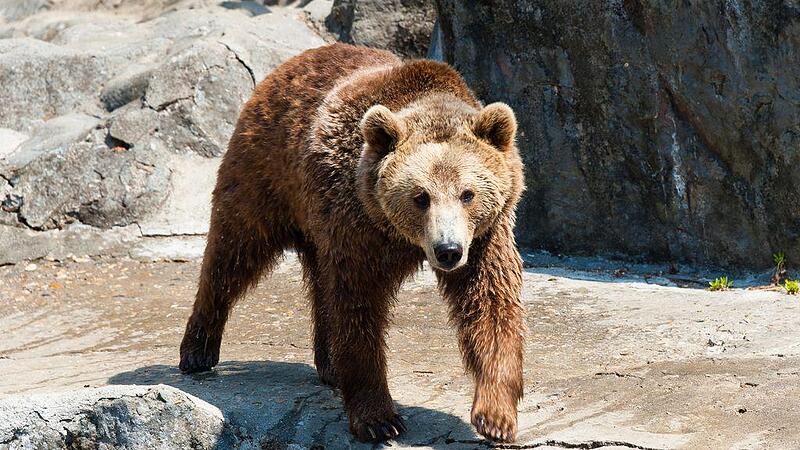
pixel 199 352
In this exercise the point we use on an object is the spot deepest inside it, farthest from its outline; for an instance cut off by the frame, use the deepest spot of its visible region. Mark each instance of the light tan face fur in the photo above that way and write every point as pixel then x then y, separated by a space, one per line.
pixel 439 195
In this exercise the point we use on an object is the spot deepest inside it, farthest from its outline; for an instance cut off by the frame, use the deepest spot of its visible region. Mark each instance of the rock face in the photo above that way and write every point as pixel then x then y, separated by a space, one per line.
pixel 663 130
pixel 116 116
pixel 402 26
pixel 120 417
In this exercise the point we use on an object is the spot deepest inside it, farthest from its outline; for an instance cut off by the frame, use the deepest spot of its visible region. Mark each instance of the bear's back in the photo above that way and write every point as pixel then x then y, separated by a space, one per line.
pixel 274 124
pixel 284 103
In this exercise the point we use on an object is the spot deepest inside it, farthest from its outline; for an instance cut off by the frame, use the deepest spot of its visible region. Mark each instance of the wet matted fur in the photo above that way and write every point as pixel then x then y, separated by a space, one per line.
pixel 366 166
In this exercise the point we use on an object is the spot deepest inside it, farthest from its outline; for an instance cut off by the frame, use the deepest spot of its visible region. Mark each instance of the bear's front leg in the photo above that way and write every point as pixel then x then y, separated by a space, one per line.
pixel 484 298
pixel 360 318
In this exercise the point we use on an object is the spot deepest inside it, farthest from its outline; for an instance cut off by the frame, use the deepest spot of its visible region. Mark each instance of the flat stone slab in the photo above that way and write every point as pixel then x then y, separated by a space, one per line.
pixel 621 364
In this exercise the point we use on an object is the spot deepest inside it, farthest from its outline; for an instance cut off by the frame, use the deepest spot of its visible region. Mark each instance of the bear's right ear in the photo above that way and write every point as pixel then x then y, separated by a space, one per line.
pixel 382 130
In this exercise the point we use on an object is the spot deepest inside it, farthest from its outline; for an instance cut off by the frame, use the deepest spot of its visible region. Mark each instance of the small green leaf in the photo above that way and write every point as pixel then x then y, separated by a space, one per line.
pixel 792 286
pixel 720 284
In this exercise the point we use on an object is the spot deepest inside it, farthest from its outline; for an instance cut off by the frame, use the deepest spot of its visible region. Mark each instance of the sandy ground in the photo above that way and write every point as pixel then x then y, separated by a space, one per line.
pixel 621 364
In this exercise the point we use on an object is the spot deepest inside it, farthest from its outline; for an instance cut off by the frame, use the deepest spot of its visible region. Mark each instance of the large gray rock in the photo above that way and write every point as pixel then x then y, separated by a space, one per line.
pixel 116 116
pixel 74 241
pixel 119 417
pixel 54 135
pixel 664 130
pixel 402 26
pixel 47 80
pixel 200 91
pixel 92 184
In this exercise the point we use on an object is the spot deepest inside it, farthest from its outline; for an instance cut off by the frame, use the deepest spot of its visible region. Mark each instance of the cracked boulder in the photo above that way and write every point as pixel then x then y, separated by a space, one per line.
pixel 659 130
pixel 53 135
pixel 42 80
pixel 198 94
pixel 402 26
pixel 92 184
pixel 120 417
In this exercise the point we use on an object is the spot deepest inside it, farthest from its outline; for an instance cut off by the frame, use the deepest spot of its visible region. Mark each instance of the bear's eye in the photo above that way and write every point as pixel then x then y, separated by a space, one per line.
pixel 422 200
pixel 467 196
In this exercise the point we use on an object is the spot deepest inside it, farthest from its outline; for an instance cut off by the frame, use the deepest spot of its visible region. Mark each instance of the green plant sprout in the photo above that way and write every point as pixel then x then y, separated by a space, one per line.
pixel 779 258
pixel 792 286
pixel 720 284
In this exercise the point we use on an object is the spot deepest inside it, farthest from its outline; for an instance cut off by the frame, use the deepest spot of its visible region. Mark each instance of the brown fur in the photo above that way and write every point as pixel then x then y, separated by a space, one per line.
pixel 298 175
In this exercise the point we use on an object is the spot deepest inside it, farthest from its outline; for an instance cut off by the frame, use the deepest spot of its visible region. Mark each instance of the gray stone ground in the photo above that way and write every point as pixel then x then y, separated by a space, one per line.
pixel 617 363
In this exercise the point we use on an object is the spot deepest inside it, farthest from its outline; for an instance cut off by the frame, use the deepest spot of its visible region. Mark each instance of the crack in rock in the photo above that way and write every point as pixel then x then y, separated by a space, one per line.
pixel 282 434
pixel 619 375
pixel 591 444
pixel 164 106
pixel 242 62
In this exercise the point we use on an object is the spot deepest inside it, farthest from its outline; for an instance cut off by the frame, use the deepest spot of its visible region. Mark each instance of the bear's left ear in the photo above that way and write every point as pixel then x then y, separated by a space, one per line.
pixel 495 124
pixel 382 130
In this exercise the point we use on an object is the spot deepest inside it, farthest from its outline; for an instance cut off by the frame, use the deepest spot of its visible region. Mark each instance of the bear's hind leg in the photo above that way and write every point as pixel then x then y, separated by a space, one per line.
pixel 235 257
pixel 320 311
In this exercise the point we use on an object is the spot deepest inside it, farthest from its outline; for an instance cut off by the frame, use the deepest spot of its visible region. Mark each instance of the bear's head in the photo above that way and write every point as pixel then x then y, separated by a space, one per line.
pixel 440 173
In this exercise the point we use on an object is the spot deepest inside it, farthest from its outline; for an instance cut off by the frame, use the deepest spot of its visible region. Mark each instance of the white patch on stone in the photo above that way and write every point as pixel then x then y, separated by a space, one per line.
pixel 9 141
pixel 678 179
pixel 187 211
pixel 179 248
pixel 737 36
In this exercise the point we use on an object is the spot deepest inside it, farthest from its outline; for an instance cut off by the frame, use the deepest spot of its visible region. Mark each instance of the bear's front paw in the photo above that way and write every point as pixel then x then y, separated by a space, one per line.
pixel 199 351
pixel 377 429
pixel 495 420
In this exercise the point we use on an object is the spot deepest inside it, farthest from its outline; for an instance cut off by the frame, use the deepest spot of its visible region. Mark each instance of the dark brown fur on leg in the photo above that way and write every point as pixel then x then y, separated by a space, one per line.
pixel 484 297
pixel 360 318
pixel 234 259
pixel 320 312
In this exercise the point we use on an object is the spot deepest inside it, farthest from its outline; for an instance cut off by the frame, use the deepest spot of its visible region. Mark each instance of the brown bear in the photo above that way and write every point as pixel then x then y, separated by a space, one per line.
pixel 366 166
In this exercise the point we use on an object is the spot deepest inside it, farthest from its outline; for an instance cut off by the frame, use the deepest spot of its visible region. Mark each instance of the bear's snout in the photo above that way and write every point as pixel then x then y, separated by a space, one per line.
pixel 448 254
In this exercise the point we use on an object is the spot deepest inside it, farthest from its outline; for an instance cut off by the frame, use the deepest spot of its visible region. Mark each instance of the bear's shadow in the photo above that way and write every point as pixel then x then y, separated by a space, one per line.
pixel 275 404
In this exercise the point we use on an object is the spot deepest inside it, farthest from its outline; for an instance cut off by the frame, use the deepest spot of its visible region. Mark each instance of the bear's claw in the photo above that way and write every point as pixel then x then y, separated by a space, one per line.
pixel 198 362
pixel 498 432
pixel 199 352
pixel 381 431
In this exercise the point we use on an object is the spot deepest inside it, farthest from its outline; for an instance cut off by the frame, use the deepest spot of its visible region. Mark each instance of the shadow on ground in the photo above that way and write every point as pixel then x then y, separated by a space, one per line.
pixel 272 404
pixel 253 8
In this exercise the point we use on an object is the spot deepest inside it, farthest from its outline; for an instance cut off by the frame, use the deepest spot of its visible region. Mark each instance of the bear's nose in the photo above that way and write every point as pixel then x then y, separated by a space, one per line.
pixel 448 255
